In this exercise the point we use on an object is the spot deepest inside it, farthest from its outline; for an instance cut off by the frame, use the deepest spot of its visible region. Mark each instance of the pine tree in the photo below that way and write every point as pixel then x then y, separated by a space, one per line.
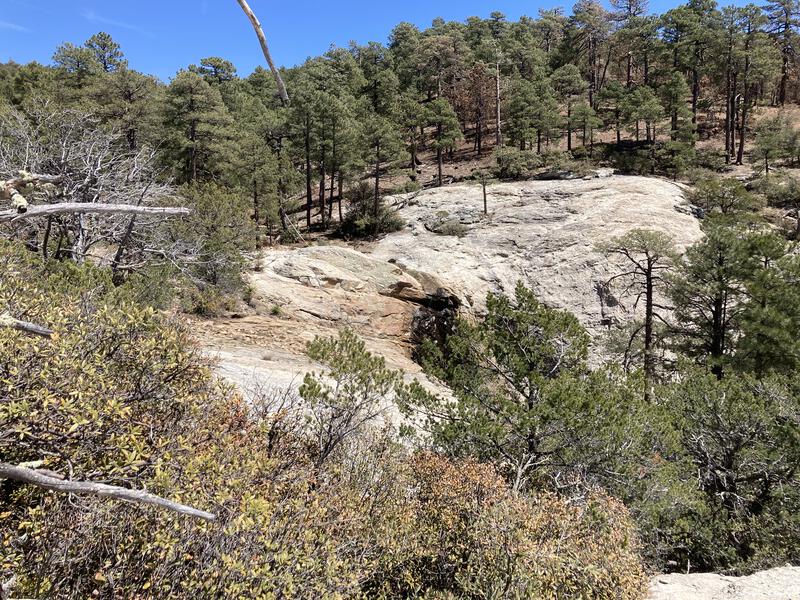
pixel 647 258
pixel 784 19
pixel 79 63
pixel 215 70
pixel 770 142
pixel 129 102
pixel 610 102
pixel 585 119
pixel 568 83
pixel 106 52
pixel 198 126
pixel 446 130
pixel 381 147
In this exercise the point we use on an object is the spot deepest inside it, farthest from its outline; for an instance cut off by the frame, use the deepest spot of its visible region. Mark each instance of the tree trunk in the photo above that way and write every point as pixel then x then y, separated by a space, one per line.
pixel 322 207
pixel 376 205
pixel 309 195
pixel 745 108
pixel 256 214
pixel 498 132
pixel 341 193
pixel 649 359
pixel 569 126
pixel 439 152
pixel 265 49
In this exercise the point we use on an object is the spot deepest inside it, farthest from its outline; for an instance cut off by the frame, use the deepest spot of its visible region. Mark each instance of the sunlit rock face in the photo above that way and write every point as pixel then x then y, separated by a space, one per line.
pixel 449 256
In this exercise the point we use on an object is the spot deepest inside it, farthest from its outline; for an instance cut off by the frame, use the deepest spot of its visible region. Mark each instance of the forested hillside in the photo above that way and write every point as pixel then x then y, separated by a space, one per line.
pixel 552 456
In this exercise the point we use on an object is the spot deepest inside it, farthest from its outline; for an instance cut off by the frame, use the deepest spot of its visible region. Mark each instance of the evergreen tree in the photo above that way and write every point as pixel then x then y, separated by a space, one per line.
pixel 770 142
pixel 107 52
pixel 446 130
pixel 784 19
pixel 610 103
pixel 647 258
pixel 130 102
pixel 198 126
pixel 568 83
pixel 585 119
pixel 79 63
pixel 215 70
pixel 382 147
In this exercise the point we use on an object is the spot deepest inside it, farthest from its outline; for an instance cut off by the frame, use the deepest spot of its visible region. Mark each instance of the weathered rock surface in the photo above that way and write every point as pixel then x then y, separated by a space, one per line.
pixel 545 233
pixel 776 584
pixel 301 293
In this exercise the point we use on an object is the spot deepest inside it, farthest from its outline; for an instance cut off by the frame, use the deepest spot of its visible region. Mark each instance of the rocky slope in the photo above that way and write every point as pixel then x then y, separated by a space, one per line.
pixel 546 234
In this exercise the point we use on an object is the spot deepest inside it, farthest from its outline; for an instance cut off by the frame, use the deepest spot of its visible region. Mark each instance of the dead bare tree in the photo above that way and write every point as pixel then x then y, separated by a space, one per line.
pixel 86 183
pixel 265 49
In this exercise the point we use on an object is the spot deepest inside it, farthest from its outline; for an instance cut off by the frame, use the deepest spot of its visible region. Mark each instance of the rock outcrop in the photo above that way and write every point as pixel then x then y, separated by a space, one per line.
pixel 545 233
pixel 782 583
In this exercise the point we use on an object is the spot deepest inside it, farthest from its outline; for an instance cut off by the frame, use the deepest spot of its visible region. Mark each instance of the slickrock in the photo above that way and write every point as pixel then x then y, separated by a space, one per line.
pixel 782 583
pixel 545 233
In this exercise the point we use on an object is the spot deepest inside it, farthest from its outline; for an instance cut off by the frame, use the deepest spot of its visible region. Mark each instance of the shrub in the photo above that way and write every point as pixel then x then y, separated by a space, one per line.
pixel 120 395
pixel 471 537
pixel 360 220
pixel 220 233
pixel 515 164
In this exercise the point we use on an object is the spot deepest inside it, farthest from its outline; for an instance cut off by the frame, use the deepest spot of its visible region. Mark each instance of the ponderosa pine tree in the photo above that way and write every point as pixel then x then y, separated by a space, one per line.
pixel 447 132
pixel 107 52
pixel 646 259
pixel 568 83
pixel 610 101
pixel 198 126
pixel 784 20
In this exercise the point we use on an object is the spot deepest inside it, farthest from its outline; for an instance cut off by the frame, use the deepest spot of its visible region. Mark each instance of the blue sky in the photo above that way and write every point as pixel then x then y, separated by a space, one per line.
pixel 161 36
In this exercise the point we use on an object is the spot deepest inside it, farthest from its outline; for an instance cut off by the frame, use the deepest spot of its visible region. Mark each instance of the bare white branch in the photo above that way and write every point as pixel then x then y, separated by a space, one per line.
pixel 48 482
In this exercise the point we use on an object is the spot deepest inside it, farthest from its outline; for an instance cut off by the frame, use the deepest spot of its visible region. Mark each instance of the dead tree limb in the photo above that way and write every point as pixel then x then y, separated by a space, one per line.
pixel 48 482
pixel 8 321
pixel 25 179
pixel 263 40
pixel 46 210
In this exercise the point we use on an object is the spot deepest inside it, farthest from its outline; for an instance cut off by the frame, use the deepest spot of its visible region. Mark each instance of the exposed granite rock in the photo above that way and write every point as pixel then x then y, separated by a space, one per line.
pixel 782 583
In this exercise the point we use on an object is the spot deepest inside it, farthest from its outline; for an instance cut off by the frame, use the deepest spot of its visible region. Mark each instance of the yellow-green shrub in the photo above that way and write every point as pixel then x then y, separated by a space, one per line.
pixel 121 395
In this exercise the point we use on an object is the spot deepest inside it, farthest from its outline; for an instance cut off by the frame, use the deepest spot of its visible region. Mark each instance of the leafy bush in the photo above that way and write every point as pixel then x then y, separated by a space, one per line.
pixel 121 396
pixel 515 164
pixel 360 220
pixel 453 227
pixel 470 537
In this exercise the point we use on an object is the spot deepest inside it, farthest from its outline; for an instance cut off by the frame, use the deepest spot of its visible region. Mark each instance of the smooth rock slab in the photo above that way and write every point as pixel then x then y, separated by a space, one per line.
pixel 782 583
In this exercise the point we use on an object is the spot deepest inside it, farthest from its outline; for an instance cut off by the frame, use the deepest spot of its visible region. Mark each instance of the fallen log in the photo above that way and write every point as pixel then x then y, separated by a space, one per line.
pixel 46 210
pixel 9 186
pixel 49 482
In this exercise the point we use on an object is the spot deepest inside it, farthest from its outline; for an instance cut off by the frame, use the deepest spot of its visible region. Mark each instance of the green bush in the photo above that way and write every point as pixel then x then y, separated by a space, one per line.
pixel 219 232
pixel 121 396
pixel 360 220
pixel 515 164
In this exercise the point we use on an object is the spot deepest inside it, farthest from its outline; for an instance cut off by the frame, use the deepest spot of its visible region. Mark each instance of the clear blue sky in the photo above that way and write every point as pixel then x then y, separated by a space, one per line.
pixel 161 36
